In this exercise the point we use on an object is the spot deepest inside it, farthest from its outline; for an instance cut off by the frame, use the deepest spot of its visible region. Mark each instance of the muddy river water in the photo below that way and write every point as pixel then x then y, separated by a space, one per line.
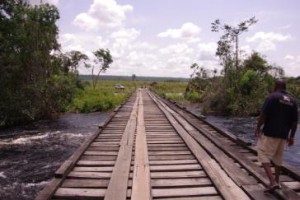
pixel 29 155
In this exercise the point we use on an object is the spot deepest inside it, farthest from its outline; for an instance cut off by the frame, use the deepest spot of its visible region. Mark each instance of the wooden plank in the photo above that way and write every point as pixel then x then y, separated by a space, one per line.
pixel 257 192
pixel 167 145
pixel 172 162
pixel 225 185
pixel 295 185
pixel 180 174
pixel 107 143
pixel 161 133
pixel 180 182
pixel 49 190
pixel 103 148
pixel 93 169
pixel 287 193
pixel 98 144
pixel 90 175
pixel 184 192
pixel 246 163
pixel 153 153
pixel 141 188
pixel 85 183
pixel 78 193
pixel 108 140
pixel 171 157
pixel 167 149
pixel 64 169
pixel 95 163
pixel 254 169
pixel 164 139
pixel 101 153
pixel 99 158
pixel 175 167
pixel 164 142
pixel 194 198
pixel 120 175
pixel 239 176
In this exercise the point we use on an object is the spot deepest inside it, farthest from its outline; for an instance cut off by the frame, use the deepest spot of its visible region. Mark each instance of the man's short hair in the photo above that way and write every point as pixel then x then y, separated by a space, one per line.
pixel 280 84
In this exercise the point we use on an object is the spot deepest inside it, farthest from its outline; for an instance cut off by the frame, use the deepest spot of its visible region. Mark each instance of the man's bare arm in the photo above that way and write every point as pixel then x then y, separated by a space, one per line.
pixel 260 122
pixel 292 134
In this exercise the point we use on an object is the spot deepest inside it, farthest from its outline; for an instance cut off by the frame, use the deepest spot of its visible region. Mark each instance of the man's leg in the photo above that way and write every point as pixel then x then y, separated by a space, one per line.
pixel 277 173
pixel 277 159
pixel 267 168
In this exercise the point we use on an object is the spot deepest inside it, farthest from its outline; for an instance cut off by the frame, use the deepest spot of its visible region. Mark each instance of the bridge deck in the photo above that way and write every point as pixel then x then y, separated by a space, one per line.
pixel 152 149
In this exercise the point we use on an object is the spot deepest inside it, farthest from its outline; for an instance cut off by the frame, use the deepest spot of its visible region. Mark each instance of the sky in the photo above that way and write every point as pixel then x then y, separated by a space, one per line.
pixel 165 37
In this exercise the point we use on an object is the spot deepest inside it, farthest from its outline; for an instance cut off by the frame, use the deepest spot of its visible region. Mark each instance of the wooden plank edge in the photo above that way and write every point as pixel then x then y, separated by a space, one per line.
pixel 228 191
pixel 123 163
pixel 111 115
pixel 287 193
pixel 63 169
pixel 227 134
pixel 62 172
pixel 290 170
pixel 104 124
pixel 257 192
pixel 48 191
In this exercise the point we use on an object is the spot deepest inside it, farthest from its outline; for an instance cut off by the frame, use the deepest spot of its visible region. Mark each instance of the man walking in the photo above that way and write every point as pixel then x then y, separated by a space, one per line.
pixel 279 115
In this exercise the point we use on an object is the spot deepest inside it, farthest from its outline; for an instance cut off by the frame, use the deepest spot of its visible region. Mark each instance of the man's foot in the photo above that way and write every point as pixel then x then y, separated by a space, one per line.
pixel 271 189
pixel 279 186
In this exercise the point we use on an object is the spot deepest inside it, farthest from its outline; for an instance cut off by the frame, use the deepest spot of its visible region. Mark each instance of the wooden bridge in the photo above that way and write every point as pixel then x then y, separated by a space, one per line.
pixel 152 149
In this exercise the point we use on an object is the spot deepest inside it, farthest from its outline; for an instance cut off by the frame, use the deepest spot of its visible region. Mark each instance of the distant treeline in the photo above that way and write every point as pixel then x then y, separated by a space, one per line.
pixel 136 78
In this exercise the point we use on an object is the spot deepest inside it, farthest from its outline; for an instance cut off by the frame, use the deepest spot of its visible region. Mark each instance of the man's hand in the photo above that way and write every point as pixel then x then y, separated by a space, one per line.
pixel 290 141
pixel 257 133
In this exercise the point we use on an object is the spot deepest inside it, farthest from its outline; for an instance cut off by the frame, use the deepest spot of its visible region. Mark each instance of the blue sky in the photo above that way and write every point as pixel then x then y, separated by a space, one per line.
pixel 165 37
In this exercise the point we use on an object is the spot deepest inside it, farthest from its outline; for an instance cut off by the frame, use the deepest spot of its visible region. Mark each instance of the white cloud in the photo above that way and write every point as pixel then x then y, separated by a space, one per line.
pixel 209 47
pixel 206 51
pixel 176 49
pixel 289 57
pixel 54 2
pixel 69 42
pixel 102 13
pixel 125 35
pixel 267 41
pixel 291 65
pixel 187 31
pixel 87 22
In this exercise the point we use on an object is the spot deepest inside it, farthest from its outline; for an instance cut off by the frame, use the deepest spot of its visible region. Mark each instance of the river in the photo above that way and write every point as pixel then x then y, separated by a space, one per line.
pixel 244 127
pixel 29 155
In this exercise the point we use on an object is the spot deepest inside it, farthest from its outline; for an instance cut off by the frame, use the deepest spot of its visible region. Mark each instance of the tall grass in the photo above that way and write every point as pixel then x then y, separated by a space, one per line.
pixel 105 97
pixel 171 90
pixel 101 98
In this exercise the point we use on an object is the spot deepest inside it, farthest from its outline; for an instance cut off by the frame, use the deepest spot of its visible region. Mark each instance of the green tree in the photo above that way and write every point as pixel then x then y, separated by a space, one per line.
pixel 103 61
pixel 257 63
pixel 133 77
pixel 230 40
pixel 33 82
pixel 74 58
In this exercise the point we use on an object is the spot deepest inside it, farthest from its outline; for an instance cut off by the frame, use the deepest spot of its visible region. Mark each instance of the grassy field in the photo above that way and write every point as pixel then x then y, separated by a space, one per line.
pixel 171 90
pixel 105 97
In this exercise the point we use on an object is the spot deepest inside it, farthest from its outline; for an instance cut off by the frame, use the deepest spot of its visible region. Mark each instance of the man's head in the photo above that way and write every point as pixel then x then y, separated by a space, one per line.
pixel 280 85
